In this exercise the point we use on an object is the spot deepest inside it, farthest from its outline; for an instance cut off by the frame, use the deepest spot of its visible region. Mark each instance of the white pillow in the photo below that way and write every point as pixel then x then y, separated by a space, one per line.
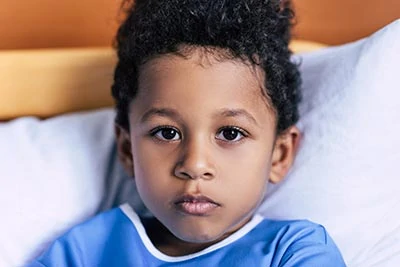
pixel 52 175
pixel 346 175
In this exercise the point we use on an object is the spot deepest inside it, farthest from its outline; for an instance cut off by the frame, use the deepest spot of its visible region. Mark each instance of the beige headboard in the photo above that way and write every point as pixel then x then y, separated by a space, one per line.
pixel 47 82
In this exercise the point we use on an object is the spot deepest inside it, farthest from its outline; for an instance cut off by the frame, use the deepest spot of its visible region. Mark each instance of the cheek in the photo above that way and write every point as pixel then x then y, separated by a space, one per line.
pixel 153 189
pixel 246 172
pixel 149 160
pixel 152 171
pixel 249 160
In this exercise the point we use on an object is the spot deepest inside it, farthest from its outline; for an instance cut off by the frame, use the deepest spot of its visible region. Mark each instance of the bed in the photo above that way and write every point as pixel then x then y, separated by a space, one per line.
pixel 57 154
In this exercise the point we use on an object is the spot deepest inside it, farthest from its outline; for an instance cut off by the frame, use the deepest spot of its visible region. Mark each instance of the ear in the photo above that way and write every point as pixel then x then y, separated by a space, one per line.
pixel 285 149
pixel 124 149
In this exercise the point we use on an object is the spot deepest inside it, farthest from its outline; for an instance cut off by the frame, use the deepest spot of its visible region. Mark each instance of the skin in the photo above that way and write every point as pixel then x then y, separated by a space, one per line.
pixel 202 127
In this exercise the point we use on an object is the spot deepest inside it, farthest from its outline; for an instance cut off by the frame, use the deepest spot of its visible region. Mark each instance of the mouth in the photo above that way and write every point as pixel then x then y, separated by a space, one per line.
pixel 196 205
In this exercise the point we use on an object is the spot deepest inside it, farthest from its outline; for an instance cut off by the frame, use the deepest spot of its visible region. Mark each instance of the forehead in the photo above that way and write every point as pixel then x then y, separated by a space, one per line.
pixel 202 61
pixel 204 80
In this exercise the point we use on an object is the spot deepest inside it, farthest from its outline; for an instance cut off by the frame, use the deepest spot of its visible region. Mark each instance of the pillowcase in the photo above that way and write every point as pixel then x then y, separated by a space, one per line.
pixel 56 173
pixel 346 174
pixel 52 176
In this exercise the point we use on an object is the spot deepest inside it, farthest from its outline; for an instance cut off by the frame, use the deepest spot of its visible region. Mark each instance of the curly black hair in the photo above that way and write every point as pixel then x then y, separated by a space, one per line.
pixel 256 31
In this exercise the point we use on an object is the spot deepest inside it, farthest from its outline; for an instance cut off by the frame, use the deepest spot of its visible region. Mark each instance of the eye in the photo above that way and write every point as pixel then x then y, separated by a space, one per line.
pixel 166 133
pixel 231 134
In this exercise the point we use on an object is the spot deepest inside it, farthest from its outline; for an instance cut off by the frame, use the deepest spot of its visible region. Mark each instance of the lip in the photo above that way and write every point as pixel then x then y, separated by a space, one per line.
pixel 196 205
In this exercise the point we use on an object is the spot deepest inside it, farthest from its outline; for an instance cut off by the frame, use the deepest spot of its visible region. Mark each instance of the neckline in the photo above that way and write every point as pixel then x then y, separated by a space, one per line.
pixel 134 218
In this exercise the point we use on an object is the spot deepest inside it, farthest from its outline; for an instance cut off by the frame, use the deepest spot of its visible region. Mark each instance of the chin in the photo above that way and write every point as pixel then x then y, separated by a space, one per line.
pixel 197 236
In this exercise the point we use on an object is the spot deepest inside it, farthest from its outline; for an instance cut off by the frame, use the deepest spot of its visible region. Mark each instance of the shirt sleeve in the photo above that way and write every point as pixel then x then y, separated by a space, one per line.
pixel 35 264
pixel 313 249
pixel 59 254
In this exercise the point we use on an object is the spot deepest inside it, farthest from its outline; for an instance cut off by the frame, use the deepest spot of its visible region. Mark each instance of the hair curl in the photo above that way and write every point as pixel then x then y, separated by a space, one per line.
pixel 257 31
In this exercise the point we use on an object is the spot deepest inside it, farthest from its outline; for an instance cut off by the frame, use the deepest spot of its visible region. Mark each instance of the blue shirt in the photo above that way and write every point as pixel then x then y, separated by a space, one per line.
pixel 118 238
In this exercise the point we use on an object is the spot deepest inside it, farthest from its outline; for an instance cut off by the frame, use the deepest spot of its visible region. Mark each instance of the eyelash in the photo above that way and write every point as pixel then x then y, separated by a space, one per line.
pixel 235 128
pixel 156 130
pixel 242 132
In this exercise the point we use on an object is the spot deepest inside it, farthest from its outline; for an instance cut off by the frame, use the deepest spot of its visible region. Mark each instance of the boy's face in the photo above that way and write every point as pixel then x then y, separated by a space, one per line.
pixel 203 145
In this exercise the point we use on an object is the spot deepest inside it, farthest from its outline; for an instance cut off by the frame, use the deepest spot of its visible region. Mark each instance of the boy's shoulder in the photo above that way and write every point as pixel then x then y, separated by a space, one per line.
pixel 299 243
pixel 97 225
pixel 292 230
pixel 96 240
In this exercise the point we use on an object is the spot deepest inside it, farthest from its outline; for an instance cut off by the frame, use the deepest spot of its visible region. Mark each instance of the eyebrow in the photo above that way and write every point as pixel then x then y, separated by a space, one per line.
pixel 171 113
pixel 162 112
pixel 228 112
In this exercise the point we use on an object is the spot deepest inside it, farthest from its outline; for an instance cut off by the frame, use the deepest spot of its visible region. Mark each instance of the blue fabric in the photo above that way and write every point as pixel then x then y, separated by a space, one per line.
pixel 111 239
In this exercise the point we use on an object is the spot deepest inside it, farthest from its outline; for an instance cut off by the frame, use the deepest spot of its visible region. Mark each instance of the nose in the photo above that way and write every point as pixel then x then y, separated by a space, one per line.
pixel 195 162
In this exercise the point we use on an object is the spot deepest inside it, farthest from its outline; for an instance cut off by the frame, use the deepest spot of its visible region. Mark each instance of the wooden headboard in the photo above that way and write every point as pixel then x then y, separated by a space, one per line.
pixel 77 23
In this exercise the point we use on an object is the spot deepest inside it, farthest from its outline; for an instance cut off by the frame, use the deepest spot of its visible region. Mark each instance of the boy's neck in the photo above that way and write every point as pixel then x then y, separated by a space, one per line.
pixel 169 244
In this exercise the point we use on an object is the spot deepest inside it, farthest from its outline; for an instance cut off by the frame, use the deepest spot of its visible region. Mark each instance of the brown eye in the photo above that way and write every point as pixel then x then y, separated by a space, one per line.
pixel 230 134
pixel 166 134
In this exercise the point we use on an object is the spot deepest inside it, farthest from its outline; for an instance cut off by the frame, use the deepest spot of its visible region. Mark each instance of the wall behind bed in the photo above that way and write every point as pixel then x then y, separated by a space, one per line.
pixel 84 23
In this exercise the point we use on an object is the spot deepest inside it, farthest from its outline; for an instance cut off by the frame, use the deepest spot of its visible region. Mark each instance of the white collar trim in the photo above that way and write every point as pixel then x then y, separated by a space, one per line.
pixel 134 218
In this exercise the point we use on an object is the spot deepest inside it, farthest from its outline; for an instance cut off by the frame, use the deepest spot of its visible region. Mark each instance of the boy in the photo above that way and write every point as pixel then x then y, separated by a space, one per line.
pixel 206 100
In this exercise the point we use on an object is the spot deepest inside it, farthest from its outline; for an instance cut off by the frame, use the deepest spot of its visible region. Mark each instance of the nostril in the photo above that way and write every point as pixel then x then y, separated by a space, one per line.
pixel 185 175
pixel 208 175
pixel 193 176
pixel 182 174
